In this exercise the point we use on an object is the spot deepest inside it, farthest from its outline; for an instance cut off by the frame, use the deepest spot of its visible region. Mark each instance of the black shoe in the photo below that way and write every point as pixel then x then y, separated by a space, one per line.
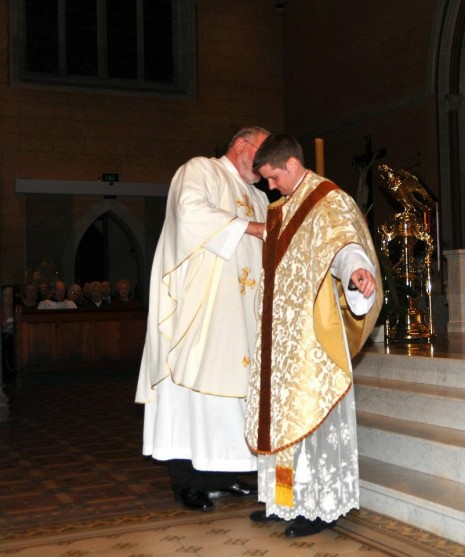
pixel 305 527
pixel 238 489
pixel 260 516
pixel 194 499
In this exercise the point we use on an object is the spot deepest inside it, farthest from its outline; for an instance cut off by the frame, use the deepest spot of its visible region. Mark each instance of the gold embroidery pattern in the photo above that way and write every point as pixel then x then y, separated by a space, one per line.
pixel 246 361
pixel 249 210
pixel 284 486
pixel 244 280
pixel 299 407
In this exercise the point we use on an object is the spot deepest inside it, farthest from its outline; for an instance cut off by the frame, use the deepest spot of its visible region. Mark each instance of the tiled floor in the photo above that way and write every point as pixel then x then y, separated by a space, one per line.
pixel 229 536
pixel 73 484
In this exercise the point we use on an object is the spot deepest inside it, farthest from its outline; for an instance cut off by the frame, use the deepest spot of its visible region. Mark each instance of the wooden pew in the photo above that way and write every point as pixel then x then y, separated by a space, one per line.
pixel 61 341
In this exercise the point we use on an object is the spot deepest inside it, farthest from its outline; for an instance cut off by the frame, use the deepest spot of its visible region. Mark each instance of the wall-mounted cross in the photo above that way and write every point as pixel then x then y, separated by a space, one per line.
pixel 364 164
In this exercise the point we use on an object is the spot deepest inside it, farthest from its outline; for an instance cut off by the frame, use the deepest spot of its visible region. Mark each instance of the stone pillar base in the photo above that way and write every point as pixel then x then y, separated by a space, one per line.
pixel 456 290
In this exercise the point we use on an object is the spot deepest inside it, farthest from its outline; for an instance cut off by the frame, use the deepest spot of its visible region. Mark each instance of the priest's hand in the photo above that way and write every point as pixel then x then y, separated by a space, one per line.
pixel 363 281
pixel 255 229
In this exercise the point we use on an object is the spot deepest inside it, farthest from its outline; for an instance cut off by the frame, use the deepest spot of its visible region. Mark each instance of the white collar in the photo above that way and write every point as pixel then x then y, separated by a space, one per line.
pixel 229 165
pixel 299 181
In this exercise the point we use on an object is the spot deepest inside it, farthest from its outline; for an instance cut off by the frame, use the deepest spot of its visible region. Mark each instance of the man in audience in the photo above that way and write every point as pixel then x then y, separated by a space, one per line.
pixel 58 300
pixel 96 300
pixel 107 291
pixel 85 293
pixel 75 294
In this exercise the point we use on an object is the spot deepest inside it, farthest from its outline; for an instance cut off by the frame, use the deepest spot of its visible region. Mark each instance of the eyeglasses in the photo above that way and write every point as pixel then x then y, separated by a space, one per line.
pixel 250 143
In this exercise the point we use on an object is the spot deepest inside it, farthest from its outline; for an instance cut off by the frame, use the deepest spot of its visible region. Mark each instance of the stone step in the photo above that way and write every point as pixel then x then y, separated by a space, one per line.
pixel 429 404
pixel 445 372
pixel 433 504
pixel 421 447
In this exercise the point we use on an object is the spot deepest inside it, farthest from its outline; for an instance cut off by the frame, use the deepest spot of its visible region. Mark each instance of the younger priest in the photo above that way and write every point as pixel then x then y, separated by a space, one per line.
pixel 321 295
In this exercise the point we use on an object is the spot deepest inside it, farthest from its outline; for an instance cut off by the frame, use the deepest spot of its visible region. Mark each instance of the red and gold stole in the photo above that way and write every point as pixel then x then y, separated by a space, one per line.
pixel 276 245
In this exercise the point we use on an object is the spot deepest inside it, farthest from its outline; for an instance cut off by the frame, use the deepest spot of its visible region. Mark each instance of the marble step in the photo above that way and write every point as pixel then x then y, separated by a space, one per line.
pixel 429 404
pixel 427 502
pixel 421 447
pixel 445 372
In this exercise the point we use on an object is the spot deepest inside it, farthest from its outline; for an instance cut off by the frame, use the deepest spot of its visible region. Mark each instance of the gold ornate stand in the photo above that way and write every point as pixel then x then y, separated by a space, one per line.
pixel 407 243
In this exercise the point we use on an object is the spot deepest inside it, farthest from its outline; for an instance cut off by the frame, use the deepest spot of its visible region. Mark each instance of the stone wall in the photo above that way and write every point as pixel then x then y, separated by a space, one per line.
pixel 358 68
pixel 77 135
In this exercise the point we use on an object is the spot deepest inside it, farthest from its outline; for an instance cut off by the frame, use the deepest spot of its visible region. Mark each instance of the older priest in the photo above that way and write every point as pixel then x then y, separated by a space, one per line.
pixel 201 324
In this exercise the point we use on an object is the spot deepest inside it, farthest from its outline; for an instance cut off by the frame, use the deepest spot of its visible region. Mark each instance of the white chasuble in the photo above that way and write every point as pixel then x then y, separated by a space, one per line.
pixel 308 438
pixel 202 319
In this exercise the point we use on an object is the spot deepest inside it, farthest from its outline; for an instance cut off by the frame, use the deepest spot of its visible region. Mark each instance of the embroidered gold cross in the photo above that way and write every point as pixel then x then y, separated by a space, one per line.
pixel 244 281
pixel 246 361
pixel 249 210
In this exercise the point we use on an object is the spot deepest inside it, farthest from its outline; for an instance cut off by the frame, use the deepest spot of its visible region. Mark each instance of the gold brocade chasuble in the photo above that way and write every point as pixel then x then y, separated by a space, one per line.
pixel 301 367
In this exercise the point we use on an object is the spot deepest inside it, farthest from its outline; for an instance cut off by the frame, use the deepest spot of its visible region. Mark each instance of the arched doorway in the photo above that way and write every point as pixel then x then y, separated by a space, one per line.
pixel 107 243
pixel 451 120
pixel 108 251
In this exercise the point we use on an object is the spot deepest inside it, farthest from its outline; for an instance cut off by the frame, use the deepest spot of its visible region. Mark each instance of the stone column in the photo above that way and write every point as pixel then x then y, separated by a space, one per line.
pixel 456 290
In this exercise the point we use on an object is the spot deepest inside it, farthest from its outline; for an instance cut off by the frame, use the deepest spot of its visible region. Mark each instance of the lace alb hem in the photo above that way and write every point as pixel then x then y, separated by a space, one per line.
pixel 326 475
pixel 300 510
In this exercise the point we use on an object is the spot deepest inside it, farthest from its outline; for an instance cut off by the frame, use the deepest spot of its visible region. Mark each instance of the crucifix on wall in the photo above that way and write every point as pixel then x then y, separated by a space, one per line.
pixel 364 164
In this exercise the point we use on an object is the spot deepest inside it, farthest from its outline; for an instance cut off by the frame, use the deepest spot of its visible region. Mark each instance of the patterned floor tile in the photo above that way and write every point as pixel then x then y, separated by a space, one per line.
pixel 73 484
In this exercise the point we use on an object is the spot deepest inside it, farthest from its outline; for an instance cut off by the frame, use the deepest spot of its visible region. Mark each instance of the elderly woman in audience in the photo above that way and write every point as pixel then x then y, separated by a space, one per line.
pixel 123 295
pixel 29 296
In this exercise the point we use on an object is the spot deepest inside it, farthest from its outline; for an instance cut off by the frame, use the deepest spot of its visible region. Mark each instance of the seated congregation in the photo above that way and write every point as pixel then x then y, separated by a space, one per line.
pixel 36 322
pixel 91 295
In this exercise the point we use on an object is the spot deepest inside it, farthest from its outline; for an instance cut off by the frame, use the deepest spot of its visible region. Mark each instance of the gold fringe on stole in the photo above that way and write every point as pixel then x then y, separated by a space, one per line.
pixel 284 488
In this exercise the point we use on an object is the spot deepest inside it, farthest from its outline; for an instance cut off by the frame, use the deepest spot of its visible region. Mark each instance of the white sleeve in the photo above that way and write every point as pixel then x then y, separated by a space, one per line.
pixel 225 243
pixel 347 260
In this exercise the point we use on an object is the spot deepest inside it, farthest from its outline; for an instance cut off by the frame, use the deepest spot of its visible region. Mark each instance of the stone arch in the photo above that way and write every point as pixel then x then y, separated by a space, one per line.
pixel 450 83
pixel 123 217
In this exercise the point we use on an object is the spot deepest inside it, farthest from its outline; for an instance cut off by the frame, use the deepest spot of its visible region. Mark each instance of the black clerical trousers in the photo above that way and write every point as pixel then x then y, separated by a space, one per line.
pixel 184 475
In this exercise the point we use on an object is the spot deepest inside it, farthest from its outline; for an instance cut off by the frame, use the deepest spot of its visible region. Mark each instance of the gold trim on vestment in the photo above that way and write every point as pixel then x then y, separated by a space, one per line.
pixel 249 210
pixel 174 300
pixel 244 281
pixel 284 488
pixel 280 235
pixel 168 273
pixel 173 347
pixel 311 373
pixel 328 325
pixel 302 437
pixel 284 478
pixel 185 264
